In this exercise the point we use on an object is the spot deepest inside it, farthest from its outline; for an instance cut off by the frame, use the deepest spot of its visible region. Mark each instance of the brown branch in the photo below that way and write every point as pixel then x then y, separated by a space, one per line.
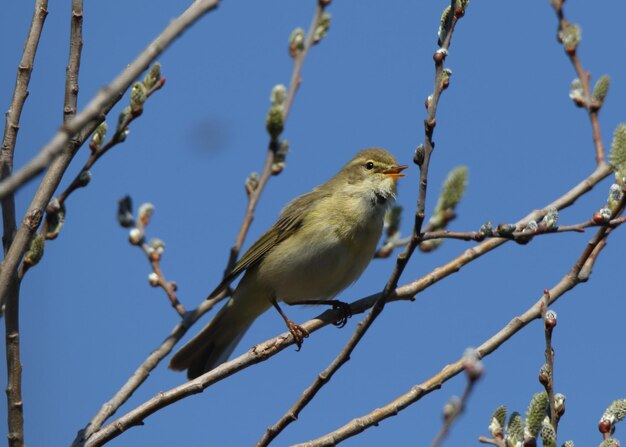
pixel 324 377
pixel 490 441
pixel 358 425
pixel 585 77
pixel 107 97
pixel 15 410
pixel 143 371
pixel 83 125
pixel 547 373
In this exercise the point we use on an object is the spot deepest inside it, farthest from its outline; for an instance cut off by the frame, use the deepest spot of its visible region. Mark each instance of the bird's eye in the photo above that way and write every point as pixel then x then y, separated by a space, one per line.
pixel 369 165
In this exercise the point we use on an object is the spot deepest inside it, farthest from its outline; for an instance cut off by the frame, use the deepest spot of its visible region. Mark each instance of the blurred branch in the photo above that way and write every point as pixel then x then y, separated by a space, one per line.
pixel 15 410
pixel 360 424
pixel 592 107
pixel 95 111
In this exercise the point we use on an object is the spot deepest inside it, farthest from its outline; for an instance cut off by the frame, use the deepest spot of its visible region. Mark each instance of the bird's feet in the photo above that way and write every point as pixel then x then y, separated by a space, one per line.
pixel 298 332
pixel 346 312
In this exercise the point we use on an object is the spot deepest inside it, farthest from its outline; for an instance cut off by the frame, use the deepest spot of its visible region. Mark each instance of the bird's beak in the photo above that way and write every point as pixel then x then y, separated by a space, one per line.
pixel 395 172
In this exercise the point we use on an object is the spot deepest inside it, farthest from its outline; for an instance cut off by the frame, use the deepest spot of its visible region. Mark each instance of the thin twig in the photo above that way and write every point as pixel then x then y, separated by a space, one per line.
pixel 491 441
pixel 549 321
pixel 107 97
pixel 344 355
pixel 15 410
pixel 585 78
pixel 358 425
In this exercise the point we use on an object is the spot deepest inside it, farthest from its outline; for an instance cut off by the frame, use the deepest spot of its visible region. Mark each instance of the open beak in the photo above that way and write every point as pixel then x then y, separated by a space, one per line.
pixel 395 172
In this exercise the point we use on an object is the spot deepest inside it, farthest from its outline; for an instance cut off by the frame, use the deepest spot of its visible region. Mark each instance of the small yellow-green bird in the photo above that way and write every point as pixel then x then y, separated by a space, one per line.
pixel 321 243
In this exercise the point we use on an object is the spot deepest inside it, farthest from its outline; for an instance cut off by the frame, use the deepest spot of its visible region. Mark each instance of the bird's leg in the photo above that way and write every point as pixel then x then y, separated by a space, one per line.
pixel 298 332
pixel 343 308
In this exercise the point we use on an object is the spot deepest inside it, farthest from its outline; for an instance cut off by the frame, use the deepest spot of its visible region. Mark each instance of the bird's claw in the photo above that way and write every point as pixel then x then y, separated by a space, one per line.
pixel 346 313
pixel 298 332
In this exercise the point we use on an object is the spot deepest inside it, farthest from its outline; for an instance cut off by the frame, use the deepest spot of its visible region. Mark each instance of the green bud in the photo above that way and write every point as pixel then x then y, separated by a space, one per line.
pixel 138 96
pixel 296 41
pixel 615 196
pixel 444 26
pixel 548 435
pixel 274 122
pixel 322 28
pixel 35 251
pixel 153 279
pixel 617 156
pixel 252 182
pixel 453 189
pixel 535 414
pixel 514 430
pixel 570 37
pixel 135 236
pixel 506 229
pixel 577 93
pixel 278 95
pixel 99 135
pixel 486 229
pixel 551 218
pixel 601 89
pixel 569 443
pixel 497 421
pixel 280 157
pixel 153 76
pixel 420 153
pixel 157 245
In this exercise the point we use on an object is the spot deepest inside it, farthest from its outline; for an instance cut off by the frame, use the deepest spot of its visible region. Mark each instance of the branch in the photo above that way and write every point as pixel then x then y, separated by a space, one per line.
pixel 589 103
pixel 358 425
pixel 15 405
pixel 103 102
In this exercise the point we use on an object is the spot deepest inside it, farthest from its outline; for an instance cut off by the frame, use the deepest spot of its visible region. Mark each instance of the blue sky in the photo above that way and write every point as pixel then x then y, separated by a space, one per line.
pixel 89 317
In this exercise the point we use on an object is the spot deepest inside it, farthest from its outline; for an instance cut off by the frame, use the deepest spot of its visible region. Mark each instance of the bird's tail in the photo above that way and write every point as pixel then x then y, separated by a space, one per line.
pixel 218 339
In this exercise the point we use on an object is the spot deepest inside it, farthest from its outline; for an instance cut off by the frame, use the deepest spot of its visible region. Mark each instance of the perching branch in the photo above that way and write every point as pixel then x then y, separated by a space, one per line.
pixel 358 425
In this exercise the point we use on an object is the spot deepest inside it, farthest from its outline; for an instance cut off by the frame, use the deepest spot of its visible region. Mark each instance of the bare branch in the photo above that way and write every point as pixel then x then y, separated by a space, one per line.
pixel 12 330
pixel 107 97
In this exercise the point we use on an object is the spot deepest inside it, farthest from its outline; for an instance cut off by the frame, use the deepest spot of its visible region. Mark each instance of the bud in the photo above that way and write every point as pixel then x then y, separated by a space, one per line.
pixel 545 375
pixel 35 251
pixel 55 218
pixel 535 414
pixel 420 153
pixel 98 136
pixel 496 427
pixel 157 245
pixel 83 179
pixel 153 279
pixel 617 156
pixel 548 435
pixel 252 182
pixel 610 442
pixel 322 28
pixel 570 36
pixel 444 26
pixel 296 42
pixel 135 235
pixel 153 76
pixel 278 95
pixel 445 78
pixel 473 366
pixel 138 97
pixel 601 89
pixel 486 229
pixel 577 93
pixel 615 197
pixel 559 403
pixel 551 218
pixel 514 430
pixel 602 216
pixel 274 122
pixel 145 212
pixel 451 408
pixel 124 212
pixel 280 157
pixel 549 319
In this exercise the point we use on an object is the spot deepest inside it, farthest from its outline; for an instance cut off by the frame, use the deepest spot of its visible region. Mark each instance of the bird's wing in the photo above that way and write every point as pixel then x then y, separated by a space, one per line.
pixel 288 224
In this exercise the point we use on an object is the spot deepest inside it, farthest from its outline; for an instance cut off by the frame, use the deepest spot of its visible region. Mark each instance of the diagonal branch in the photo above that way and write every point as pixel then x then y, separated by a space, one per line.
pixel 107 97
pixel 568 282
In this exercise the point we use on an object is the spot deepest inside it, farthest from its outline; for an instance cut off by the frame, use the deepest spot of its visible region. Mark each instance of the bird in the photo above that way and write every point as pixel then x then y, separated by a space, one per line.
pixel 321 243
